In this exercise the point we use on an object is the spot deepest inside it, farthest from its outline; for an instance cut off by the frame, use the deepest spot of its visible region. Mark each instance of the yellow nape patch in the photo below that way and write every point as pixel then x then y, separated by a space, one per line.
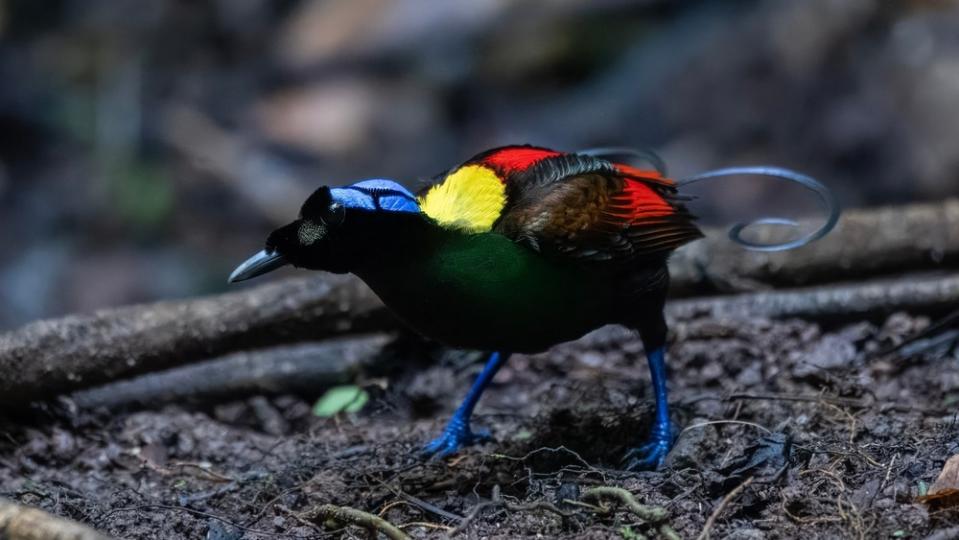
pixel 469 199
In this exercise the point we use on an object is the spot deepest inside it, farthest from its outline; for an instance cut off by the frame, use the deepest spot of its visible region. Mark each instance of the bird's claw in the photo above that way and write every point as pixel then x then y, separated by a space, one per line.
pixel 456 436
pixel 648 456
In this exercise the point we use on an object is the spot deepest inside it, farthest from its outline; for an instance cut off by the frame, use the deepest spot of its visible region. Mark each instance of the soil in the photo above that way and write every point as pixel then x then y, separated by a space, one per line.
pixel 838 442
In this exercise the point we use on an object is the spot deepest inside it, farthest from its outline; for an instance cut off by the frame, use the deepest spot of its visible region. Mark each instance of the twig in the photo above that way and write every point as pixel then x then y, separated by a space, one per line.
pixel 431 508
pixel 590 507
pixel 704 535
pixel 497 501
pixel 270 503
pixel 202 471
pixel 538 505
pixel 475 513
pixel 19 522
pixel 345 514
pixel 715 422
pixel 232 485
pixel 885 479
pixel 391 506
pixel 420 503
pixel 427 525
pixel 557 449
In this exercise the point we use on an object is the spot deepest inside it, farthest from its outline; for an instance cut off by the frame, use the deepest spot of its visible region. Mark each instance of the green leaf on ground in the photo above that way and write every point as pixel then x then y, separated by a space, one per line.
pixel 340 399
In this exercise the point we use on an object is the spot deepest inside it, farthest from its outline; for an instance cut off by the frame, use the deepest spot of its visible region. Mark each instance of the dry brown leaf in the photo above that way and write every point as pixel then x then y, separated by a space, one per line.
pixel 944 492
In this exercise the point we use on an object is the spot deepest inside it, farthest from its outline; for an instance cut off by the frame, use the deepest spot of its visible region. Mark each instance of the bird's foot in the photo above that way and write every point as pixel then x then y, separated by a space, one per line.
pixel 456 436
pixel 648 456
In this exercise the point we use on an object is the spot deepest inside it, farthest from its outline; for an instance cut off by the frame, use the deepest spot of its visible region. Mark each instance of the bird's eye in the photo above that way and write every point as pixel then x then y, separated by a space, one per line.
pixel 334 214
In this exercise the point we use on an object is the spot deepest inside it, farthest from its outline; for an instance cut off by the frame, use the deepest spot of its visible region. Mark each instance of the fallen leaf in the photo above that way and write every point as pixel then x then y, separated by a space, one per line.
pixel 340 399
pixel 944 492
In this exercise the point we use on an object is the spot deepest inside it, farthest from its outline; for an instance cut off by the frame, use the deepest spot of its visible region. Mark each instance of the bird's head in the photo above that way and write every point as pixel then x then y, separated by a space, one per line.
pixel 330 226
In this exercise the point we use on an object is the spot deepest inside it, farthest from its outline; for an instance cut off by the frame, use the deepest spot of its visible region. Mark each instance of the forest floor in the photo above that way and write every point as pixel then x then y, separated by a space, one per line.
pixel 825 438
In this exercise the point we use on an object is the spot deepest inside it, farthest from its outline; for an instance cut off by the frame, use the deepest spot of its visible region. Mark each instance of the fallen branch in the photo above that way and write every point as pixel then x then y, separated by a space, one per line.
pixel 19 522
pixel 49 358
pixel 352 516
pixel 289 368
pixel 53 357
pixel 922 294
pixel 866 243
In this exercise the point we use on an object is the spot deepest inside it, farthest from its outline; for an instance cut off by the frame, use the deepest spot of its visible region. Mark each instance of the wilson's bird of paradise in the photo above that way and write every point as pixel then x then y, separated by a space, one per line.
pixel 516 250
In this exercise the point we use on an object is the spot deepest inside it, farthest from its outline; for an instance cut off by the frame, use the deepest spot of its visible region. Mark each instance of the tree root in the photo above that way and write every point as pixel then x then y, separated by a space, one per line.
pixel 352 516
pixel 652 514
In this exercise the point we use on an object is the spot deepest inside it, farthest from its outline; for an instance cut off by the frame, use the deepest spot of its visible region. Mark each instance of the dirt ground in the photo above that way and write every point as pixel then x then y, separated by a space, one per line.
pixel 837 441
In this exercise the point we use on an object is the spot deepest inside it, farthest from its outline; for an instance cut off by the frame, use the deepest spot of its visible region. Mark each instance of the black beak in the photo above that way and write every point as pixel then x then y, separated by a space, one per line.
pixel 259 264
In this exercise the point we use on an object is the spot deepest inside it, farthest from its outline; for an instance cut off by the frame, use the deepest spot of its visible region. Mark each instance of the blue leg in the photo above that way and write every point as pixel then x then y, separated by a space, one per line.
pixel 651 454
pixel 458 433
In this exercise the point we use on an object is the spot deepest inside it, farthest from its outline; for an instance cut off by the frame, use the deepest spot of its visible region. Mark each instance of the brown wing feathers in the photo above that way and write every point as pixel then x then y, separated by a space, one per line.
pixel 589 208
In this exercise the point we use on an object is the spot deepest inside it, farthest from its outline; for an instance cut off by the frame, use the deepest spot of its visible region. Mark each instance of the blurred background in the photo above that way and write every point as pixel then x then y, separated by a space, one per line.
pixel 148 147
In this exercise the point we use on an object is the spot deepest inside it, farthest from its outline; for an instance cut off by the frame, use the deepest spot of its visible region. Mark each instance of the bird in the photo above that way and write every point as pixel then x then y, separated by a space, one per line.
pixel 515 250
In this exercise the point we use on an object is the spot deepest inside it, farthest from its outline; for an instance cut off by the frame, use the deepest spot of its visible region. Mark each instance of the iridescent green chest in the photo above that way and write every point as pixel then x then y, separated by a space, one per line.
pixel 484 291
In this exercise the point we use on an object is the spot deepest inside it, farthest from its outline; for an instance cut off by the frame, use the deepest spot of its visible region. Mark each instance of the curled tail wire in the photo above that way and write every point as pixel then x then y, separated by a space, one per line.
pixel 826 196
